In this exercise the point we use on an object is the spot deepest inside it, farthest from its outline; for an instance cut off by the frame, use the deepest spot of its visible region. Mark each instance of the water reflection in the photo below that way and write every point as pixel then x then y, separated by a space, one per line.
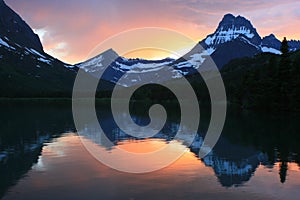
pixel 251 145
pixel 248 141
pixel 24 130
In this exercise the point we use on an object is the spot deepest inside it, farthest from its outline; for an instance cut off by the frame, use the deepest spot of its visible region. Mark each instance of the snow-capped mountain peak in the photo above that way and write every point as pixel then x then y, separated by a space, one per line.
pixel 112 59
pixel 229 29
pixel 113 67
pixel 98 62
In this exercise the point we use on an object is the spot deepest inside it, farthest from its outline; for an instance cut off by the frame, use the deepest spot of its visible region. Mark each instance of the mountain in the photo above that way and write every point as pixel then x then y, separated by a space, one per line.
pixel 237 48
pixel 294 45
pixel 132 71
pixel 236 37
pixel 25 69
pixel 271 41
pixel 229 29
pixel 25 72
pixel 13 27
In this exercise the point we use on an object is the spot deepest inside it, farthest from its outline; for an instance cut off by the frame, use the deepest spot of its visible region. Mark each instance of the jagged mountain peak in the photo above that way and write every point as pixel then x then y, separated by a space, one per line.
pixel 230 20
pixel 228 16
pixel 230 28
pixel 271 41
pixel 270 36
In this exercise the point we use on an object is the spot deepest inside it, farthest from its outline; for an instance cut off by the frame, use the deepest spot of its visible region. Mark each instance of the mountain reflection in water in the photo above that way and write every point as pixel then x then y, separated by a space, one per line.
pixel 250 143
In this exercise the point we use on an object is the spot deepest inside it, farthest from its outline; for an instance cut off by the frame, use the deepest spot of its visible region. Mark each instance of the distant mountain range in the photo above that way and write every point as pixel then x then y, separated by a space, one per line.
pixel 27 71
pixel 235 37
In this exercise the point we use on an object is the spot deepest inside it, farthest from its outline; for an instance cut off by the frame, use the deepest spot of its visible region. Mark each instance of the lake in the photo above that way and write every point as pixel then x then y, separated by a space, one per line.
pixel 42 157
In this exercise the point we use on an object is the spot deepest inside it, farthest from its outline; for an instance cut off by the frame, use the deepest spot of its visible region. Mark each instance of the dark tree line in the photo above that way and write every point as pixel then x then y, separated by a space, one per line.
pixel 265 82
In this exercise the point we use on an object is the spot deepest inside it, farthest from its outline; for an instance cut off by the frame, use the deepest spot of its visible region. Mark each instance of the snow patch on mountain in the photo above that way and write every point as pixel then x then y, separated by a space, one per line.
pixel 227 167
pixel 25 51
pixel 223 35
pixel 210 50
pixel 132 71
pixel 141 66
pixel 69 66
pixel 245 40
pixel 177 74
pixel 195 60
pixel 271 50
pixel 93 64
pixel 45 60
pixel 33 51
pixel 3 43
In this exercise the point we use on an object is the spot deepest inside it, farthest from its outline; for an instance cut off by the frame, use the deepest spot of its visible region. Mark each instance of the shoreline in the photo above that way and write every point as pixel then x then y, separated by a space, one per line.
pixel 65 100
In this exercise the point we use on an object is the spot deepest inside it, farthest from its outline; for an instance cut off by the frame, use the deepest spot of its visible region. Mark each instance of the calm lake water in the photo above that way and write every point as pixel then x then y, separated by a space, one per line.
pixel 42 157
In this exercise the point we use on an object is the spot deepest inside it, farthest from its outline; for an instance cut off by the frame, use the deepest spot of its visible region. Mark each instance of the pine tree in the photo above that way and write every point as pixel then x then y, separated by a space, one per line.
pixel 284 75
pixel 284 47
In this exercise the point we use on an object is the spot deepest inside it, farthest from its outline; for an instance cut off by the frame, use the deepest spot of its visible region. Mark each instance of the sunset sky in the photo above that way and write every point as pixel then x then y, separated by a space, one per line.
pixel 69 30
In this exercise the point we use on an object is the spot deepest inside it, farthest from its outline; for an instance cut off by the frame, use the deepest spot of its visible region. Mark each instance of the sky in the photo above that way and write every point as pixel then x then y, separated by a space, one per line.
pixel 71 29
